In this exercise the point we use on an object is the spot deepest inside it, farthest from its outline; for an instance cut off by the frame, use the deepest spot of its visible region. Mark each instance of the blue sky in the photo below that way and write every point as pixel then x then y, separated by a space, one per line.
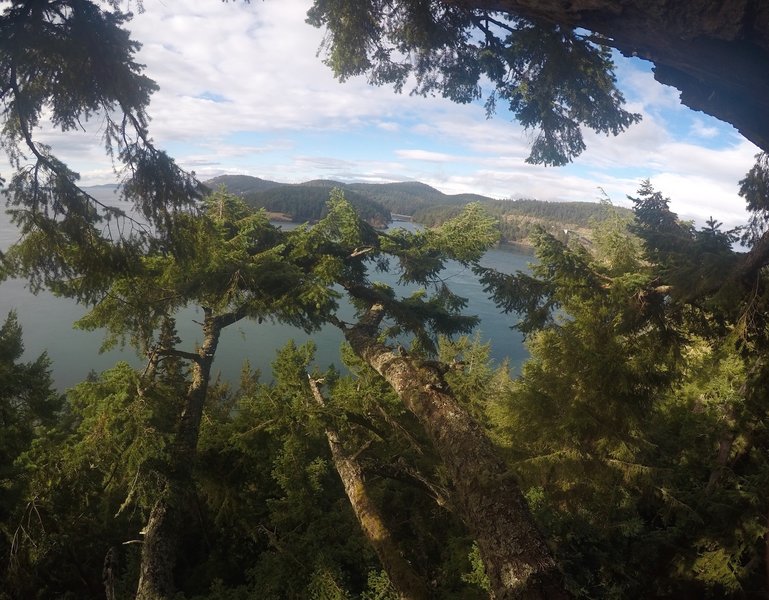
pixel 242 90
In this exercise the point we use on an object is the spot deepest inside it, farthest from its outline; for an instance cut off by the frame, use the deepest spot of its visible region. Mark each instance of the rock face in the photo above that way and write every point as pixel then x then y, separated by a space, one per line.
pixel 715 52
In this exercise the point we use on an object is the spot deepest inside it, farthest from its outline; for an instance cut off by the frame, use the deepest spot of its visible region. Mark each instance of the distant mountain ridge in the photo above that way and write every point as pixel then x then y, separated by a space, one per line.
pixel 241 184
pixel 401 197
pixel 376 202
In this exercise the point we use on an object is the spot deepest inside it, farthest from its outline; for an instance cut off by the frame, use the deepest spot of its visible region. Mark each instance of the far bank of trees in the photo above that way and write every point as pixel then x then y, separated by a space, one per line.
pixel 307 203
pixel 518 220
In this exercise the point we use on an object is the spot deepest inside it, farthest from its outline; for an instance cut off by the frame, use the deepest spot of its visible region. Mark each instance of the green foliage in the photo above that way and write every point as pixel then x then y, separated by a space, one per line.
pixel 518 220
pixel 379 587
pixel 324 586
pixel 124 430
pixel 692 260
pixel 412 197
pixel 265 477
pixel 87 481
pixel 614 248
pixel 553 79
pixel 349 251
pixel 637 427
pixel 755 186
pixel 473 379
pixel 234 262
pixel 755 189
pixel 29 408
pixel 74 61
pixel 279 497
pixel 42 43
pixel 28 401
pixel 275 501
pixel 369 199
pixel 478 574
pixel 629 424
pixel 308 203
pixel 240 185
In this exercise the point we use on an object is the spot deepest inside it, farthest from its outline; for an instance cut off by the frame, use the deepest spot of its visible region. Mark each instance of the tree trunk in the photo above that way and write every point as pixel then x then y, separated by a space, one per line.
pixel 404 579
pixel 156 580
pixel 715 53
pixel 168 515
pixel 164 526
pixel 518 562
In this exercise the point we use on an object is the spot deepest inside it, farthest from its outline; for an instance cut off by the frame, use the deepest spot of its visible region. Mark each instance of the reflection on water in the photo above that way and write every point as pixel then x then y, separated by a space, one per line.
pixel 47 323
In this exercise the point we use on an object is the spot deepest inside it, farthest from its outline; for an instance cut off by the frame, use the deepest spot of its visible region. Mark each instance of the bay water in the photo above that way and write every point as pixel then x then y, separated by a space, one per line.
pixel 47 322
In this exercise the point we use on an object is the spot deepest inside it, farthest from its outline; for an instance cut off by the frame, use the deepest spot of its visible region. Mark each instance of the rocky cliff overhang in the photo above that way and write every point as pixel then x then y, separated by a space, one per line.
pixel 716 53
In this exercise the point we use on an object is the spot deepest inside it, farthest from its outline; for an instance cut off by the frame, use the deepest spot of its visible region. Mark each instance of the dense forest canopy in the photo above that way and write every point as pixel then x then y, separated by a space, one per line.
pixel 307 203
pixel 627 460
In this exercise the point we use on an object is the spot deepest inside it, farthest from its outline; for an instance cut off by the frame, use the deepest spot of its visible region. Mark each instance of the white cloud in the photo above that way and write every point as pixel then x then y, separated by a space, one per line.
pixel 425 155
pixel 388 126
pixel 701 130
pixel 325 163
pixel 261 57
pixel 242 90
pixel 643 91
pixel 696 197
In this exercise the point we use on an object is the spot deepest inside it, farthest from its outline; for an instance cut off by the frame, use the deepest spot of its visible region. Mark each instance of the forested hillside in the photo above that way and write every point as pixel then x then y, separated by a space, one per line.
pixel 363 485
pixel 402 198
pixel 517 219
pixel 306 203
pixel 241 184
pixel 409 196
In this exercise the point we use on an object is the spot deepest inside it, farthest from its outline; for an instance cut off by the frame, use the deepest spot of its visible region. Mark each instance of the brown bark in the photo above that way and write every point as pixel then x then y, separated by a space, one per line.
pixel 164 526
pixel 517 559
pixel 110 573
pixel 408 584
pixel 722 460
pixel 156 580
pixel 715 53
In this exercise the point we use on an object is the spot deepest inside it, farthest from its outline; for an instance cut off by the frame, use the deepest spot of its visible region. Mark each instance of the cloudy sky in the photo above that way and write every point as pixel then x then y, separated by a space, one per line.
pixel 242 90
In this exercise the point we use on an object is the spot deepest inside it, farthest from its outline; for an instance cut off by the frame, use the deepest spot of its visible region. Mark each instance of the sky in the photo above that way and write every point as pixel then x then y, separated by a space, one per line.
pixel 243 90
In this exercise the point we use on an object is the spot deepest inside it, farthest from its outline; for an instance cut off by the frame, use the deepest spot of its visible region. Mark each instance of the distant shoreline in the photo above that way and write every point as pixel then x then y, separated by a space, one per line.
pixel 517 247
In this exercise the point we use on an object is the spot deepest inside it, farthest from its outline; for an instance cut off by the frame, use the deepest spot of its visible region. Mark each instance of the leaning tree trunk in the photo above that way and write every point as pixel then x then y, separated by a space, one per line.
pixel 407 583
pixel 486 497
pixel 168 516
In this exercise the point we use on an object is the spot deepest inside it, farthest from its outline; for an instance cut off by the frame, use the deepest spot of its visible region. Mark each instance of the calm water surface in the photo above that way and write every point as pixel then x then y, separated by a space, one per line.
pixel 48 326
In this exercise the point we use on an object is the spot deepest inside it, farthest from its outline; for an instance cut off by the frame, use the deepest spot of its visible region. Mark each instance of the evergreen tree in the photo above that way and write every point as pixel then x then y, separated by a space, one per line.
pixel 28 409
pixel 628 422
pixel 552 79
pixel 70 62
pixel 233 264
pixel 515 554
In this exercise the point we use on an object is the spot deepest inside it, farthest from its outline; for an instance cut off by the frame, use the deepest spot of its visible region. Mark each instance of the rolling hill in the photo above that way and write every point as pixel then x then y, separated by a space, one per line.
pixel 307 203
pixel 241 184
pixel 405 198
pixel 422 203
